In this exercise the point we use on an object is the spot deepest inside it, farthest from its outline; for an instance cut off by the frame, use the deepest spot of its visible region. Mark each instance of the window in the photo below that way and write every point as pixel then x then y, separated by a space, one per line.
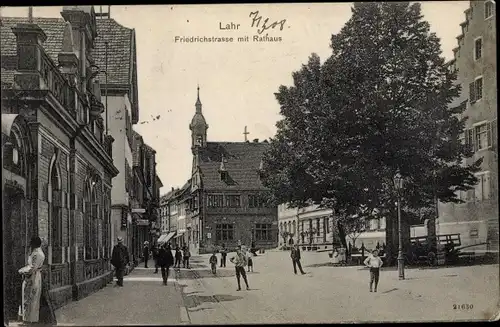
pixel 199 140
pixel 476 90
pixel 474 233
pixel 56 216
pixel 263 232
pixel 482 134
pixel 478 48
pixel 215 201
pixel 233 201
pixel 488 9
pixel 327 223
pixel 482 188
pixel 317 227
pixel 294 228
pixel 382 223
pixel 255 201
pixel 224 232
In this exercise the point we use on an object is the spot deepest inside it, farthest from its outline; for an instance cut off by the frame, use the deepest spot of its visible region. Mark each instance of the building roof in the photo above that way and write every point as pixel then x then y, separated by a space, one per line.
pixel 137 141
pixel 159 183
pixel 241 160
pixel 119 38
pixel 120 51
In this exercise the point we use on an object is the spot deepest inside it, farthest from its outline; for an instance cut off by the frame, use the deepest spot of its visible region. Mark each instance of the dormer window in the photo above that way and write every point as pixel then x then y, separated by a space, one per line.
pixel 488 9
pixel 222 170
pixel 223 175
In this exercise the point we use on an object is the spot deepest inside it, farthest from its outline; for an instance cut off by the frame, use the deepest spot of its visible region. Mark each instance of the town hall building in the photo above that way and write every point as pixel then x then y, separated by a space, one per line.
pixel 227 206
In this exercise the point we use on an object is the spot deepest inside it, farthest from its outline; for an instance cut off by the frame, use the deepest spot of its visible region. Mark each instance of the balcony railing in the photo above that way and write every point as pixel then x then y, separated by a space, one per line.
pixel 59 85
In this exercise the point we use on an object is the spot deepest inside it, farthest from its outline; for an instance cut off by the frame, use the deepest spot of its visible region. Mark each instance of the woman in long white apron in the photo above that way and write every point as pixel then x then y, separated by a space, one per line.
pixel 32 284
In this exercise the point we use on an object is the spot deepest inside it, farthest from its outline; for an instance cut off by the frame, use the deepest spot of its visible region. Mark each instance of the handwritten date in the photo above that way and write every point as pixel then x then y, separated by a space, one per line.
pixel 257 20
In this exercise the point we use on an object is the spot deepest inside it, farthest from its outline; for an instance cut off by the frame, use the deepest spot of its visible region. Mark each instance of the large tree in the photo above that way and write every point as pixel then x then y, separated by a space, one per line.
pixel 381 102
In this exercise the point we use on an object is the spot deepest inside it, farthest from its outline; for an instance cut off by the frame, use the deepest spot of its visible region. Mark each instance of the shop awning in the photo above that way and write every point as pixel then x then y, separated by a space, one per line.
pixel 164 238
pixel 179 234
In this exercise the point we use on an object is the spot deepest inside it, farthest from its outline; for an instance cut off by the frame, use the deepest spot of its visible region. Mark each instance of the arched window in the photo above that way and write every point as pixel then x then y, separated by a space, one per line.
pixel 94 219
pixel 289 226
pixel 87 193
pixel 294 228
pixel 14 151
pixel 105 229
pixel 56 212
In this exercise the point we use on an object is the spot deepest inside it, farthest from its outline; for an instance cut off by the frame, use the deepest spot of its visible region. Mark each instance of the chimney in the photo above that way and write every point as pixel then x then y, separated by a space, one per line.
pixel 29 38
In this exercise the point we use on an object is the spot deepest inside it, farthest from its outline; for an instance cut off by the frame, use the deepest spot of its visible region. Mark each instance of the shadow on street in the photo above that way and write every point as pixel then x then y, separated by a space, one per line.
pixel 194 300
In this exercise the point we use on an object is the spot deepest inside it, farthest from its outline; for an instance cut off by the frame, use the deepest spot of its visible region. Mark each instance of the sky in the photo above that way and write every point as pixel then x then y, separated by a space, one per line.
pixel 238 79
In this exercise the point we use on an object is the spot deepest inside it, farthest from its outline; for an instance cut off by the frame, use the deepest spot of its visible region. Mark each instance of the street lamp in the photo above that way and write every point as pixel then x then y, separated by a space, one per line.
pixel 398 184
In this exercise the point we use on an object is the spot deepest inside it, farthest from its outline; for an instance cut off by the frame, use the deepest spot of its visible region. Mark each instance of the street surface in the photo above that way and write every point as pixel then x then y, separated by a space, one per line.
pixel 329 294
pixel 326 294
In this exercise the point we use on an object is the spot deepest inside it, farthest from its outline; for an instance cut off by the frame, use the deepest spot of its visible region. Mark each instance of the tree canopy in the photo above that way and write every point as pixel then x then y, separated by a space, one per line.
pixel 381 102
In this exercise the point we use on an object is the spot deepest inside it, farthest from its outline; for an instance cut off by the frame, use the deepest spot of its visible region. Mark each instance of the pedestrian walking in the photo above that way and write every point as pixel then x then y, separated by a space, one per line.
pixel 154 252
pixel 185 256
pixel 31 288
pixel 165 261
pixel 239 262
pixel 120 260
pixel 295 255
pixel 145 253
pixel 213 262
pixel 249 260
pixel 178 257
pixel 223 255
pixel 374 262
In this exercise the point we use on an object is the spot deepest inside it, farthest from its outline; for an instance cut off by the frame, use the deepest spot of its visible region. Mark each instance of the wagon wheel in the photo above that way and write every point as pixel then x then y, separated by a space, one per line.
pixel 431 259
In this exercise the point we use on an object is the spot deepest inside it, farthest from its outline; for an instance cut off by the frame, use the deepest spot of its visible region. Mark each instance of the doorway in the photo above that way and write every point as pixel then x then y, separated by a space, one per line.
pixel 15 238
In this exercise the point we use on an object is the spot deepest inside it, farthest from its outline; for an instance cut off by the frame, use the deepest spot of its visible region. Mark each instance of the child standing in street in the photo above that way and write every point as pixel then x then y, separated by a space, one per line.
pixel 213 262
pixel 249 260
pixel 374 262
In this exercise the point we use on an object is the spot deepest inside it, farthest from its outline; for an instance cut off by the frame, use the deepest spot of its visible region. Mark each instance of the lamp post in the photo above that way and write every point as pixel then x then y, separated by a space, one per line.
pixel 398 184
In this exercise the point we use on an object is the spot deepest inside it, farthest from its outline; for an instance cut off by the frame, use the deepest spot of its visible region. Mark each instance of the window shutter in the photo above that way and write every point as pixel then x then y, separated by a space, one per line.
pixel 492 141
pixel 488 133
pixel 472 93
pixel 470 133
pixel 486 186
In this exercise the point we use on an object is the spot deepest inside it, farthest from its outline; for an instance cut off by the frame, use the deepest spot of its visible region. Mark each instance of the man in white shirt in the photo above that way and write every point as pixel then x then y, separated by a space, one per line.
pixel 374 262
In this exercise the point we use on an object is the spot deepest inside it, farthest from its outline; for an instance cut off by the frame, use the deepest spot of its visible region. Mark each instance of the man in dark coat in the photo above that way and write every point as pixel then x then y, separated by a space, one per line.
pixel 119 259
pixel 165 261
pixel 223 255
pixel 154 252
pixel 295 255
pixel 146 254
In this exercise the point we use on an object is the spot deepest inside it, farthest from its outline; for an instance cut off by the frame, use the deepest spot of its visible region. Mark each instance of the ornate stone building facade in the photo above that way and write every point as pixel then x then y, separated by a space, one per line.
pixel 57 157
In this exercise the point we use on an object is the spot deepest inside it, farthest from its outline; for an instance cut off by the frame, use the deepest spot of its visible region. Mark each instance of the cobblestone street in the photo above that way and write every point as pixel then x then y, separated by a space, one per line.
pixel 336 294
pixel 325 294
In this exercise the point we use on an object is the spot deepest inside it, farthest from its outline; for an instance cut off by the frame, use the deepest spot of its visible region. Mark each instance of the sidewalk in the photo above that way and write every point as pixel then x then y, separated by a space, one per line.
pixel 143 300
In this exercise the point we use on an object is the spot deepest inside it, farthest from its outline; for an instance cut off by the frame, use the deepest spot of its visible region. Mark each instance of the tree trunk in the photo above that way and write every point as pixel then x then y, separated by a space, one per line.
pixel 342 235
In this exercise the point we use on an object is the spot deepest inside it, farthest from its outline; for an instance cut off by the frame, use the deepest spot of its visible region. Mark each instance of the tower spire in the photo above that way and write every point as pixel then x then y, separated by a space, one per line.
pixel 198 102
